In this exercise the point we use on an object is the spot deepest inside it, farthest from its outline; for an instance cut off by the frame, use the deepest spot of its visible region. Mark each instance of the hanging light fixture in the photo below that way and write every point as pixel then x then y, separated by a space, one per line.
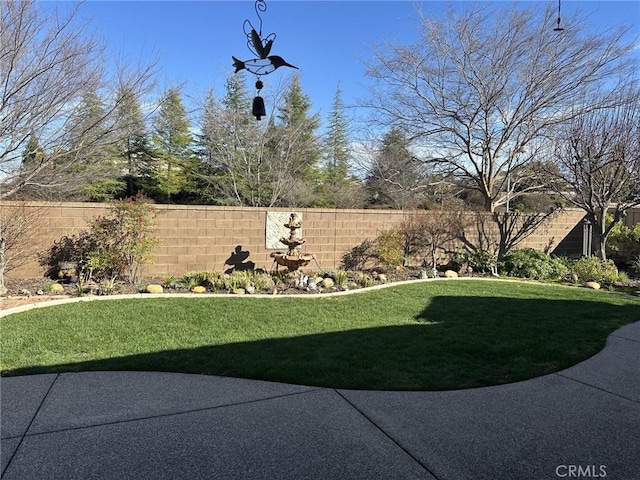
pixel 558 27
pixel 264 64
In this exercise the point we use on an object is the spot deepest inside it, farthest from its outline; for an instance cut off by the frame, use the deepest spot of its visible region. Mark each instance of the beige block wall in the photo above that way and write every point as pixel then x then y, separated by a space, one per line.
pixel 633 217
pixel 205 237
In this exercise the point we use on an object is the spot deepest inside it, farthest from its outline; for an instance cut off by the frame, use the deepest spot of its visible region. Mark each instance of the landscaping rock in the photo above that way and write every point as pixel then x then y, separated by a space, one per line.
pixel 450 274
pixel 198 289
pixel 238 291
pixel 56 288
pixel 250 289
pixel 25 292
pixel 592 285
pixel 154 288
pixel 327 283
pixel 382 278
pixel 39 292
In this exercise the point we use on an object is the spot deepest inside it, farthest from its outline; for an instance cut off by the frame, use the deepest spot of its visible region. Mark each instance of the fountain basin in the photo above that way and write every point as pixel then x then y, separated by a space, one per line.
pixel 292 262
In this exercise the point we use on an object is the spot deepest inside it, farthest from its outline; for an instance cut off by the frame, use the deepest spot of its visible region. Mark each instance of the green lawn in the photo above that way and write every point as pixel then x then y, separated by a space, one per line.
pixel 423 336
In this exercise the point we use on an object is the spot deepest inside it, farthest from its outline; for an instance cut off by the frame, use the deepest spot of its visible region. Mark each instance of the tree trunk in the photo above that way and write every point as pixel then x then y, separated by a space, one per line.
pixel 599 234
pixel 3 243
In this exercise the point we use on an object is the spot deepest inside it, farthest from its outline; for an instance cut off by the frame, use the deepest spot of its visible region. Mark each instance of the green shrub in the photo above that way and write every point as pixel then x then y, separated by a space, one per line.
pixel 390 248
pixel 261 280
pixel 123 240
pixel 481 260
pixel 169 281
pixel 341 277
pixel 189 282
pixel 624 242
pixel 365 280
pixel 202 278
pixel 592 269
pixel 532 263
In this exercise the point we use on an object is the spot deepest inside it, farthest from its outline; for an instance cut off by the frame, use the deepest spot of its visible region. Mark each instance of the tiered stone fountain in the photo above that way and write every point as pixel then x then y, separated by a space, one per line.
pixel 293 259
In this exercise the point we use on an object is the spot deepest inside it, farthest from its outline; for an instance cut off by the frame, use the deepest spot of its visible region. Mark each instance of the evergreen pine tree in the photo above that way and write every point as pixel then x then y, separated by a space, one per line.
pixel 338 189
pixel 395 177
pixel 172 142
pixel 133 147
pixel 96 170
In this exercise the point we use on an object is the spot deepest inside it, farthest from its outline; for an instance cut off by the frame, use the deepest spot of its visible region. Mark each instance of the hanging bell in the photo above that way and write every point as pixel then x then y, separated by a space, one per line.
pixel 258 110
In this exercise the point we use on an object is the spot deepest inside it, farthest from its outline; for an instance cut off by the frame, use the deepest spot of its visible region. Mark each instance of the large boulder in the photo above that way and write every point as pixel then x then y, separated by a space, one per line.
pixel 450 274
pixel 198 289
pixel 327 282
pixel 592 285
pixel 154 288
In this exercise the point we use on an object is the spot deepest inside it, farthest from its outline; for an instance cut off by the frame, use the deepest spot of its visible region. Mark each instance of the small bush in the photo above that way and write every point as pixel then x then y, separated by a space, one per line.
pixel 532 263
pixel 189 282
pixel 169 281
pixel 341 277
pixel 390 248
pixel 592 269
pixel 365 280
pixel 624 242
pixel 261 280
pixel 482 260
pixel 202 278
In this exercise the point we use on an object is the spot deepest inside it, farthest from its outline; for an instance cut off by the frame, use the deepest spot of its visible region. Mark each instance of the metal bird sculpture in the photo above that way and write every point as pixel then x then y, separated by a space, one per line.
pixel 260 47
pixel 261 66
pixel 265 63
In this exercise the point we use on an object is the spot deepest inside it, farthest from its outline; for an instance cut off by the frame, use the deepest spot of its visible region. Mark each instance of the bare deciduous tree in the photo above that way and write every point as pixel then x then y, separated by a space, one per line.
pixel 481 88
pixel 427 232
pixel 595 164
pixel 48 61
pixel 21 226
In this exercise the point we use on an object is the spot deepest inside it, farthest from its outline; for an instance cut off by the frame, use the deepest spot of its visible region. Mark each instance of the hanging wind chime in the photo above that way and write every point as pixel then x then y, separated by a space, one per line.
pixel 264 64
pixel 558 28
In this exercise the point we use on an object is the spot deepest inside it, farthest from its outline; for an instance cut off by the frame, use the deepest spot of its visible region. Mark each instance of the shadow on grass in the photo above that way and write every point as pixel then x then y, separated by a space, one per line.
pixel 455 342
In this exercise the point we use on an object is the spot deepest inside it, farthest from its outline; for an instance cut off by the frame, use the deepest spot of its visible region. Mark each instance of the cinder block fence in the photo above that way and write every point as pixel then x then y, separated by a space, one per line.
pixel 205 237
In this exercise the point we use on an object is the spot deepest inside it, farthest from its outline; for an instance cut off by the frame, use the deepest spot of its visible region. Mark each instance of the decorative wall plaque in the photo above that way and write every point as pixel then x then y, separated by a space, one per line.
pixel 275 229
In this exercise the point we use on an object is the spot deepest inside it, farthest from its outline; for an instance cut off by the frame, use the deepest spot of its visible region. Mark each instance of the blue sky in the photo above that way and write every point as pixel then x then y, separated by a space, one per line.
pixel 330 41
